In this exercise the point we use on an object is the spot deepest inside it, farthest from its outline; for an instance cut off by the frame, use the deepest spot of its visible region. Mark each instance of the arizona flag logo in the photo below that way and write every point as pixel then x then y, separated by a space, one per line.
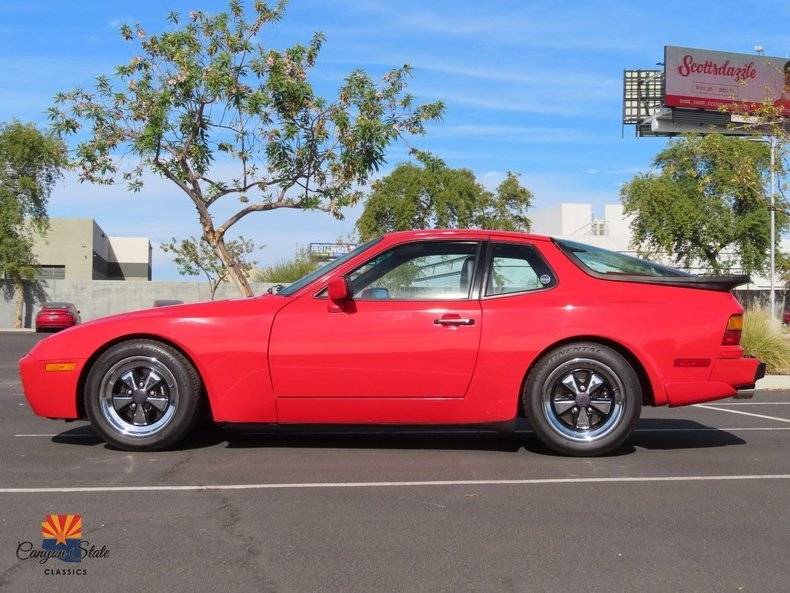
pixel 62 533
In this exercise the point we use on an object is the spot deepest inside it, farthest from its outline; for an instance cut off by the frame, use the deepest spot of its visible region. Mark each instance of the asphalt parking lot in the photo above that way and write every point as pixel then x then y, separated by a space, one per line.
pixel 698 501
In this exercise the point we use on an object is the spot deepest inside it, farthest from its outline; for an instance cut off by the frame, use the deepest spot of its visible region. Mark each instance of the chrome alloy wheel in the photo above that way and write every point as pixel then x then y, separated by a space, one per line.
pixel 583 399
pixel 138 396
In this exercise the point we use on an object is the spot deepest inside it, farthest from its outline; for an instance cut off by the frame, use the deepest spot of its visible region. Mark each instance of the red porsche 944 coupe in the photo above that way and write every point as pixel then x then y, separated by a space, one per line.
pixel 419 327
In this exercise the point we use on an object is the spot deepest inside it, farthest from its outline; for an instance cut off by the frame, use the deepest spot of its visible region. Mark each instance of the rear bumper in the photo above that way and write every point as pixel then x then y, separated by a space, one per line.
pixel 54 323
pixel 727 377
pixel 748 391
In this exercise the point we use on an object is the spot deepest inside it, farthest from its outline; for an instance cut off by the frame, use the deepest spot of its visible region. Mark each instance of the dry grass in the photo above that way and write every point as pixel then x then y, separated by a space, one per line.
pixel 764 338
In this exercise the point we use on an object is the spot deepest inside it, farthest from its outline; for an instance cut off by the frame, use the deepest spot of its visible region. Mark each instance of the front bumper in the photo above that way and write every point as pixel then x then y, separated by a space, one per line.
pixel 50 394
pixel 727 377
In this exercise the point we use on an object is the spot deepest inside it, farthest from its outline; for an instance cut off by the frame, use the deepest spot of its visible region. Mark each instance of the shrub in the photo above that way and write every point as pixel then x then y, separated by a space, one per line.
pixel 287 271
pixel 763 337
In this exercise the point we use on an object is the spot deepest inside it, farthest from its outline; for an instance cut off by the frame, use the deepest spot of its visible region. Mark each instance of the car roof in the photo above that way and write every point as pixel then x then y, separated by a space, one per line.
pixel 463 234
pixel 57 305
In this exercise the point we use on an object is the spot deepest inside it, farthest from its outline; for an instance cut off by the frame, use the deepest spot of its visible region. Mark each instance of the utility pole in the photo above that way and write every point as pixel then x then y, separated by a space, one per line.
pixel 773 226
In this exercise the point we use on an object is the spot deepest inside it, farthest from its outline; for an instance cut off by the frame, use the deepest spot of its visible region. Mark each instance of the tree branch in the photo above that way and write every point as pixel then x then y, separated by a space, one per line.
pixel 205 216
pixel 257 207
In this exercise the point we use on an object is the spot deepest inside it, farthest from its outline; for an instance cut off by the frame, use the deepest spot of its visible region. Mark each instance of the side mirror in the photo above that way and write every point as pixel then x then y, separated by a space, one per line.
pixel 337 289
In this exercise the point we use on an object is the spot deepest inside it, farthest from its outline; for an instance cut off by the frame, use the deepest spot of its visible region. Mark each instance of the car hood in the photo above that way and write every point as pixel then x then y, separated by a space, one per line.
pixel 82 340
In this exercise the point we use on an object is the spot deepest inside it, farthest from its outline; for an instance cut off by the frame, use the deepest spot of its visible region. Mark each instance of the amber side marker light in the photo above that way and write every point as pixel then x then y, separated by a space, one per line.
pixel 59 367
pixel 692 362
pixel 732 335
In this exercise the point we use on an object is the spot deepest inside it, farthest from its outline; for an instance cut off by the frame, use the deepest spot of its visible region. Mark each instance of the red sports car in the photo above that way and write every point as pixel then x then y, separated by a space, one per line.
pixel 429 327
pixel 56 316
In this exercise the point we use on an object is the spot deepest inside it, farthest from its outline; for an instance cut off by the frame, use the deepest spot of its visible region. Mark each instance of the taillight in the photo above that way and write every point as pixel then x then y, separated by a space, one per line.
pixel 732 335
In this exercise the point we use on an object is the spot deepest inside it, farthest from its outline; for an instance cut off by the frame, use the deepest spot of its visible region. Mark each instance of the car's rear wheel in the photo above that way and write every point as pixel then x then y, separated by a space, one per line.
pixel 583 399
pixel 142 395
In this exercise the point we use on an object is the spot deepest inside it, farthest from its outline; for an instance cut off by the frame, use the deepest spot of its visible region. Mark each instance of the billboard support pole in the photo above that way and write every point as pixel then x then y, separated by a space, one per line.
pixel 773 226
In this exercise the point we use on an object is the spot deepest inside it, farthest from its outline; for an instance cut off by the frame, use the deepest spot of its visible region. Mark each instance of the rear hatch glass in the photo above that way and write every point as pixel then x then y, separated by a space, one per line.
pixel 611 265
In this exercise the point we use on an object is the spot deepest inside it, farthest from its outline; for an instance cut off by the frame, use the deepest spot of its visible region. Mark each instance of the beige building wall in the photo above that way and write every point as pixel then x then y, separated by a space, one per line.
pixel 78 249
pixel 133 255
pixel 69 243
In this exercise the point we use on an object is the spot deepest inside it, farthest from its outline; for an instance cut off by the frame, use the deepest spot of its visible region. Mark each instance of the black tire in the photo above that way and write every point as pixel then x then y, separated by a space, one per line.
pixel 177 390
pixel 560 380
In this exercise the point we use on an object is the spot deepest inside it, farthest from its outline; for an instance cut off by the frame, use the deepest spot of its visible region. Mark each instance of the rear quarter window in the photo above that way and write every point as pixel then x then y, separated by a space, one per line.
pixel 602 262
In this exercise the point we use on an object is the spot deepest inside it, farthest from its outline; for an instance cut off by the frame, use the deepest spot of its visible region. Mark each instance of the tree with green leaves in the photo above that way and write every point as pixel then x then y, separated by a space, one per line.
pixel 31 161
pixel 429 194
pixel 706 204
pixel 195 257
pixel 287 271
pixel 207 96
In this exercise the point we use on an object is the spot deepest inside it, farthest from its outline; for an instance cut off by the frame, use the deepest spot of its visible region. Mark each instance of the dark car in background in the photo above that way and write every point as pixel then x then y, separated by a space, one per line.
pixel 167 302
pixel 56 316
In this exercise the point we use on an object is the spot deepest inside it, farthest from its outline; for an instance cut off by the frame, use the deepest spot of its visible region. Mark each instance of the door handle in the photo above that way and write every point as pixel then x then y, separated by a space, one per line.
pixel 454 321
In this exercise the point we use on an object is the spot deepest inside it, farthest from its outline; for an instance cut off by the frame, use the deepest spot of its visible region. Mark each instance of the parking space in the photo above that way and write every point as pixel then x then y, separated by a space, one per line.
pixel 698 501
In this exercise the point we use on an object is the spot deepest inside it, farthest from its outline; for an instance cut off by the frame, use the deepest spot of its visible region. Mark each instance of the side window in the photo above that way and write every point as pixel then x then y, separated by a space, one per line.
pixel 416 271
pixel 517 268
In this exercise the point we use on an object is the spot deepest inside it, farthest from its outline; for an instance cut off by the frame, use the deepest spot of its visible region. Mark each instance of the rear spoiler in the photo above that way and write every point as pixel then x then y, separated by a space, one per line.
pixel 717 283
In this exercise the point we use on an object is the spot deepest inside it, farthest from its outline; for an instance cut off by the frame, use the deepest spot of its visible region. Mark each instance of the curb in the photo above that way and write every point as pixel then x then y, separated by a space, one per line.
pixel 773 383
pixel 14 330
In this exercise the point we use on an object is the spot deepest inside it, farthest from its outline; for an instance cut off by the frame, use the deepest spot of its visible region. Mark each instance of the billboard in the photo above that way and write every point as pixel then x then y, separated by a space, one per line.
pixel 706 79
pixel 327 251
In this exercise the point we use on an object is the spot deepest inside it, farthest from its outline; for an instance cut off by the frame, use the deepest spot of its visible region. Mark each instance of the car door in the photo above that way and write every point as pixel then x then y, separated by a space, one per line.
pixel 412 329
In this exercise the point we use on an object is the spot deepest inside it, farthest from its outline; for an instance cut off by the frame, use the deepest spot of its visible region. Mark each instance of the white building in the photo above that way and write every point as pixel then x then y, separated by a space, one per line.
pixel 577 222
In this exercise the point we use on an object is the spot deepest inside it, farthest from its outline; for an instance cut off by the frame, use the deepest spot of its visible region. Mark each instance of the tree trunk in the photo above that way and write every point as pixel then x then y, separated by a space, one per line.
pixel 234 269
pixel 19 298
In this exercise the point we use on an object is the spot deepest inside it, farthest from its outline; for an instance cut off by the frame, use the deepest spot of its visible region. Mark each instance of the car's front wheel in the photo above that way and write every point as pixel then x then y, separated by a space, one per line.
pixel 583 399
pixel 142 395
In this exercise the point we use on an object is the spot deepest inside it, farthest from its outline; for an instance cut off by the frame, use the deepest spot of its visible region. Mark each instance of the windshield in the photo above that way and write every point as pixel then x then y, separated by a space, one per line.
pixel 327 267
pixel 603 261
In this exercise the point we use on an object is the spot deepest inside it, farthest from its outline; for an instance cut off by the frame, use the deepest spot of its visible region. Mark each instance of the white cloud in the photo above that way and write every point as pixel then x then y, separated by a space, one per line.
pixel 593 84
pixel 526 24
pixel 517 102
pixel 520 134
pixel 551 189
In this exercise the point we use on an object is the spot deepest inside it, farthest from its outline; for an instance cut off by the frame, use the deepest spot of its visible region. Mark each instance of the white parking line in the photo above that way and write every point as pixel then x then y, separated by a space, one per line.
pixel 416 484
pixel 71 436
pixel 753 403
pixel 706 407
pixel 710 428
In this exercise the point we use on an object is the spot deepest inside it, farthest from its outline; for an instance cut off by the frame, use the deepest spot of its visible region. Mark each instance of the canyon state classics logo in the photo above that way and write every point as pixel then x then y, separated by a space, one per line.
pixel 61 539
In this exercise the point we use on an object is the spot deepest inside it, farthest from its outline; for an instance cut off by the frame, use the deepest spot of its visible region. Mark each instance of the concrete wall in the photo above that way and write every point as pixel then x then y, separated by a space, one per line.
pixel 97 298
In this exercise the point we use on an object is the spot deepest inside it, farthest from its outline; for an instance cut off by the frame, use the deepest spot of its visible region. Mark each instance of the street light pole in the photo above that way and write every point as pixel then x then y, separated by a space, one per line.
pixel 773 226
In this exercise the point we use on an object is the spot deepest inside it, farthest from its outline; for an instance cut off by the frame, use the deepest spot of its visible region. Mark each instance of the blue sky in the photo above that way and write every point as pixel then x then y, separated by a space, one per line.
pixel 532 87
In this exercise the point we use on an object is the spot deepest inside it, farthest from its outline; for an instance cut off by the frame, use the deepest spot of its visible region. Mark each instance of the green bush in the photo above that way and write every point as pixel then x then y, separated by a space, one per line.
pixel 287 271
pixel 763 337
